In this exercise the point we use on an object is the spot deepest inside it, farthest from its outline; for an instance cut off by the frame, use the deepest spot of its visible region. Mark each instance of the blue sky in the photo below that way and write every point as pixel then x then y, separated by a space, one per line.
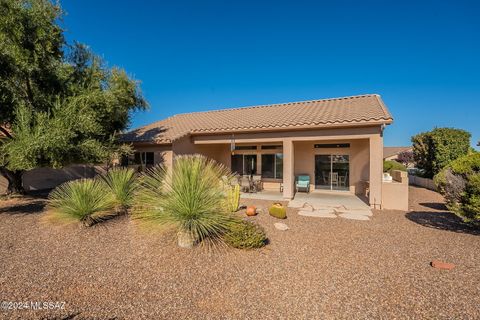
pixel 422 57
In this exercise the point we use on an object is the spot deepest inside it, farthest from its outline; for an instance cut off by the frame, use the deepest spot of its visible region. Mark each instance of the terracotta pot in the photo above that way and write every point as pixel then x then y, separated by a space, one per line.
pixel 251 211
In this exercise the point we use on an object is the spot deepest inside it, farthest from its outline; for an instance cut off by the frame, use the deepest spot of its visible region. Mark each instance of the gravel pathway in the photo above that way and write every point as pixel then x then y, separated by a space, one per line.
pixel 318 269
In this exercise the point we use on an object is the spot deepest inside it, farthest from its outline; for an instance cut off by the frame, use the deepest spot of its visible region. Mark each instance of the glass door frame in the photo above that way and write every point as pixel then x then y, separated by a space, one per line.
pixel 331 158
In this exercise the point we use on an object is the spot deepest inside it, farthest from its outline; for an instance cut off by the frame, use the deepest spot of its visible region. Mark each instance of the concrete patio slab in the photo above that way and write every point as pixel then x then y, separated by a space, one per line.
pixel 318 213
pixel 367 213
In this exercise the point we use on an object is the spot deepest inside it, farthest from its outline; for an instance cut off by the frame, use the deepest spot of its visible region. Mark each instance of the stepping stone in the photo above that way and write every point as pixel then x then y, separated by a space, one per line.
pixel 325 213
pixel 365 212
pixel 442 265
pixel 354 216
pixel 307 207
pixel 296 204
pixel 281 226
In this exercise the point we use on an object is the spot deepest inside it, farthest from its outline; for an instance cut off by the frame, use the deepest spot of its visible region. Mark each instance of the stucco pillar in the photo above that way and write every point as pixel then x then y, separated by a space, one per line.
pixel 376 171
pixel 288 168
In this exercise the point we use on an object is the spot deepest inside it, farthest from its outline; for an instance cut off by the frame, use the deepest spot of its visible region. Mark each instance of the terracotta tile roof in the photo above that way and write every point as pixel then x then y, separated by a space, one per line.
pixel 355 110
pixel 392 151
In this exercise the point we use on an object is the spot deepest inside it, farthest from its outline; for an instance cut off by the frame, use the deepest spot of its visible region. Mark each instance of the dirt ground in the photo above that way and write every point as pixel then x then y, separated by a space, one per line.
pixel 318 269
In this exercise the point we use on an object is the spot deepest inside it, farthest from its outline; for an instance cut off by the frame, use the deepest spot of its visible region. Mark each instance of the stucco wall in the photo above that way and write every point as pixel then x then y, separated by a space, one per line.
pixel 395 193
pixel 161 154
pixel 358 156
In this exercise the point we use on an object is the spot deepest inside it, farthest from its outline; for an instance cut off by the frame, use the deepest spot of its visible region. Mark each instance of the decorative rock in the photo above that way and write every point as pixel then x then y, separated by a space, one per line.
pixel 354 216
pixel 251 211
pixel 296 204
pixel 281 226
pixel 307 207
pixel 325 213
pixel 442 265
pixel 367 213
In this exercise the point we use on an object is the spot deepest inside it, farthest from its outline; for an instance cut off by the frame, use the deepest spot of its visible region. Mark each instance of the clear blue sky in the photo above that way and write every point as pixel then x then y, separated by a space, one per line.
pixel 422 57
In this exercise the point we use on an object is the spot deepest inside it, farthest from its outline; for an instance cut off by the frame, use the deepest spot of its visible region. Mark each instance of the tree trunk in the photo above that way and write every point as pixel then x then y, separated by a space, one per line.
pixel 15 180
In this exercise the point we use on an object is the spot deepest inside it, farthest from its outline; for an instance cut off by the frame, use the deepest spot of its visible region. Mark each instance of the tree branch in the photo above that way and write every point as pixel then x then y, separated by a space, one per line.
pixel 5 132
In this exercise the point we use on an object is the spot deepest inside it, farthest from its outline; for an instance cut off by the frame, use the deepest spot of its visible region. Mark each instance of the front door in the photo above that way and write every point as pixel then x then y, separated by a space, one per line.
pixel 332 172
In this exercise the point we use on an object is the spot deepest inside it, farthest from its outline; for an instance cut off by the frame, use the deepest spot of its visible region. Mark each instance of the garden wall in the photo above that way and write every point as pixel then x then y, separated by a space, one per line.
pixel 395 193
pixel 48 178
pixel 422 182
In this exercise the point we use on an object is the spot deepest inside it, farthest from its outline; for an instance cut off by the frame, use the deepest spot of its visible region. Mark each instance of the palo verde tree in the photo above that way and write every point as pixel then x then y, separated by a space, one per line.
pixel 59 103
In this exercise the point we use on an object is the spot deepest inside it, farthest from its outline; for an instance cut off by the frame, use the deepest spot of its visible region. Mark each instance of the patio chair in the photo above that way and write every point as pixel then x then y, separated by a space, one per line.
pixel 257 182
pixel 245 184
pixel 334 179
pixel 303 182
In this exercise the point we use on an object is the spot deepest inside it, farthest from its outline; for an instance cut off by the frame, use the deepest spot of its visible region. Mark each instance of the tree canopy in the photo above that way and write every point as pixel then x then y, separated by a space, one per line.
pixel 59 102
pixel 435 149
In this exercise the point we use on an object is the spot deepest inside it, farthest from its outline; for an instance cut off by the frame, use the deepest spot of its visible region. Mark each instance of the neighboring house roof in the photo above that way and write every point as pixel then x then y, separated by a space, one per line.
pixel 393 151
pixel 347 111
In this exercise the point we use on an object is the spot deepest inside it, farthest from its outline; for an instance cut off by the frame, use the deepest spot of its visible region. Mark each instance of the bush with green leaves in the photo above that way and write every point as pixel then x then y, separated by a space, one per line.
pixel 246 235
pixel 189 198
pixel 85 200
pixel 459 182
pixel 122 184
pixel 435 149
pixel 390 165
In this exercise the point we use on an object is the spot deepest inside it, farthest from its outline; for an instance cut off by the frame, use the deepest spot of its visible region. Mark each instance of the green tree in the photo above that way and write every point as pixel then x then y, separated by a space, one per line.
pixel 59 103
pixel 435 149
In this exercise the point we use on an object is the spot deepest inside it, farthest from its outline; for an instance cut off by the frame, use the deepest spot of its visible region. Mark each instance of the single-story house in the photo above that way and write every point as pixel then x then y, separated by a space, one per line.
pixel 337 142
pixel 391 153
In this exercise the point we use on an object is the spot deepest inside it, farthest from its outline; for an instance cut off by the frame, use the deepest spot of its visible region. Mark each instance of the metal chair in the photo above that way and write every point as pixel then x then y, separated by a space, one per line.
pixel 303 182
pixel 245 184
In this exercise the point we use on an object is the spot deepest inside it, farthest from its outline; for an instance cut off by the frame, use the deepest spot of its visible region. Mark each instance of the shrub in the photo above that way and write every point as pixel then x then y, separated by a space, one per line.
pixel 122 184
pixel 191 199
pixel 278 211
pixel 246 235
pixel 459 182
pixel 233 198
pixel 86 201
pixel 434 150
pixel 390 165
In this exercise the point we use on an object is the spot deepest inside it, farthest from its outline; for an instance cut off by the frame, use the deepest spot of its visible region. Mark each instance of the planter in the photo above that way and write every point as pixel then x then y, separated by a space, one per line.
pixel 251 211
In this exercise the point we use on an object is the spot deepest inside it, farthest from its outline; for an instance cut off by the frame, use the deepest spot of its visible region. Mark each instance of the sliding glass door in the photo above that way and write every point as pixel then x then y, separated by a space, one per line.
pixel 332 172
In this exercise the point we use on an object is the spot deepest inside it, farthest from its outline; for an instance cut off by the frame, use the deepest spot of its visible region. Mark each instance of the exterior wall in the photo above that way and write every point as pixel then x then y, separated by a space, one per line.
pixel 161 154
pixel 395 193
pixel 358 156
pixel 376 171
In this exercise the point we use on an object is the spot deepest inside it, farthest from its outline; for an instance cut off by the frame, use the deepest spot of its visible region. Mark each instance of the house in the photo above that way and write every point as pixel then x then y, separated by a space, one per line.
pixel 337 142
pixel 392 153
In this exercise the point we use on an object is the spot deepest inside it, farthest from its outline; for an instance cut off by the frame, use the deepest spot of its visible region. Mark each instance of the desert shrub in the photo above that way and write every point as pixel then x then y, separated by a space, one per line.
pixel 85 200
pixel 189 198
pixel 278 211
pixel 406 158
pixel 246 235
pixel 435 149
pixel 390 165
pixel 459 182
pixel 121 182
pixel 232 200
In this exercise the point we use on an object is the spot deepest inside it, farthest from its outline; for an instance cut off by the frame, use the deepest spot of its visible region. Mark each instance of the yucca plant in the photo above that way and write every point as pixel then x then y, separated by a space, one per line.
pixel 85 200
pixel 122 184
pixel 190 198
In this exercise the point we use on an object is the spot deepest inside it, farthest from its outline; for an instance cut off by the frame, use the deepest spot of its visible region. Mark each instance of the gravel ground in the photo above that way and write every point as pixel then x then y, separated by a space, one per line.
pixel 319 269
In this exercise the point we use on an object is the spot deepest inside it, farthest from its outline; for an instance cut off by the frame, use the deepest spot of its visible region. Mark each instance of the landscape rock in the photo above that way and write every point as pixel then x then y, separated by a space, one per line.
pixel 324 213
pixel 354 216
pixel 281 226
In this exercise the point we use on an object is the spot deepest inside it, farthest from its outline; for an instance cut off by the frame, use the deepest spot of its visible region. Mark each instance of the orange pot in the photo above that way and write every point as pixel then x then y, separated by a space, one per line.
pixel 251 211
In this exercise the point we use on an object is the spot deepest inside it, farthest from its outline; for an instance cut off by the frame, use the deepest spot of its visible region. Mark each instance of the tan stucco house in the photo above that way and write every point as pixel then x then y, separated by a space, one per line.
pixel 340 137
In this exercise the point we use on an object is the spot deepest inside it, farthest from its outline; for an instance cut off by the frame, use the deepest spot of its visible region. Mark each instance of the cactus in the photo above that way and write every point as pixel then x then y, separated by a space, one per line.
pixel 277 210
pixel 233 198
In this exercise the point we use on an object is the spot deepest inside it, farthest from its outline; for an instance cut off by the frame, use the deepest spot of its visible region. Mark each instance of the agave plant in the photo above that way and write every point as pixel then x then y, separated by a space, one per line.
pixel 84 200
pixel 191 199
pixel 122 184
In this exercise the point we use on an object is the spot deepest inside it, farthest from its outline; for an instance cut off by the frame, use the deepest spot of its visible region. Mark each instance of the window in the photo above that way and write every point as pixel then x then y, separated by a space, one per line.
pixel 139 158
pixel 272 166
pixel 245 147
pixel 270 147
pixel 244 164
pixel 333 145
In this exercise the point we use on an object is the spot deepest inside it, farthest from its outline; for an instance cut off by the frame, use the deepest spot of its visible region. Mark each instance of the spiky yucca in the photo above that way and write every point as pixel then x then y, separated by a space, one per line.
pixel 190 198
pixel 85 200
pixel 122 184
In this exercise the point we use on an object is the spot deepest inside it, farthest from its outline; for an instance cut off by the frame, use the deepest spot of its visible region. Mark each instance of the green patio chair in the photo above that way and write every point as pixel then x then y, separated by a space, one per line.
pixel 303 182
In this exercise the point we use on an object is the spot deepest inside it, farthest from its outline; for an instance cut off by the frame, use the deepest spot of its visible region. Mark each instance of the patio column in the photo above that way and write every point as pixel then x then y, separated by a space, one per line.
pixel 288 169
pixel 376 171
